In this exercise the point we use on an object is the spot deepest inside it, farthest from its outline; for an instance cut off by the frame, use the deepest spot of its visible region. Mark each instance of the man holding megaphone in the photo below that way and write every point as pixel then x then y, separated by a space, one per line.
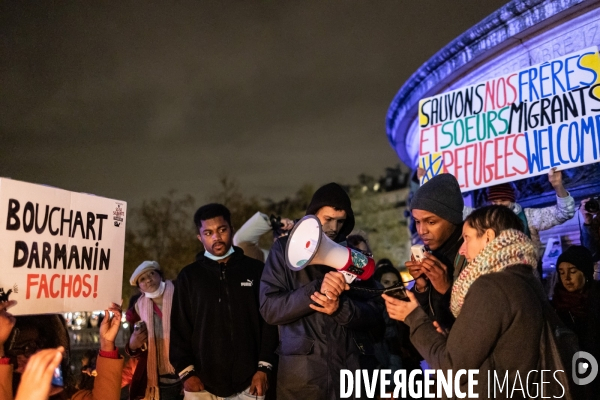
pixel 320 321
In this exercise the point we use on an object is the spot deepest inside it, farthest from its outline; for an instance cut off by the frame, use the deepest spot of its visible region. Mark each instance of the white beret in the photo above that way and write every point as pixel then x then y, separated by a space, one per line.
pixel 143 267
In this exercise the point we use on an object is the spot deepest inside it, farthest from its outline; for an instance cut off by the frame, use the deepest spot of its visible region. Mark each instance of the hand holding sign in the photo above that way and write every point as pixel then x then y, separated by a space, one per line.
pixel 110 327
pixel 555 179
pixel 60 251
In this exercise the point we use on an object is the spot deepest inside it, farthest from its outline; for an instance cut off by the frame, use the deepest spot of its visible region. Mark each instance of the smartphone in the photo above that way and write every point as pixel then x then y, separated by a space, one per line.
pixel 137 327
pixel 397 292
pixel 57 377
pixel 418 251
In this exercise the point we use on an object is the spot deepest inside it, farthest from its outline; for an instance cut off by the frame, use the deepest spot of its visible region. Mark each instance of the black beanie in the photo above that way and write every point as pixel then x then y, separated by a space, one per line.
pixel 440 196
pixel 333 195
pixel 581 258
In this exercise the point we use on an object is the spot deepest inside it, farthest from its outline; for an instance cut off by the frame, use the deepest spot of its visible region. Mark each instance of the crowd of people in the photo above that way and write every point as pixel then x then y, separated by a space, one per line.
pixel 238 323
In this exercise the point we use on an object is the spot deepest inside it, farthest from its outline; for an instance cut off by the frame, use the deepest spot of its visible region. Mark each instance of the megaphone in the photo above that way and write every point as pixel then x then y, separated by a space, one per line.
pixel 307 244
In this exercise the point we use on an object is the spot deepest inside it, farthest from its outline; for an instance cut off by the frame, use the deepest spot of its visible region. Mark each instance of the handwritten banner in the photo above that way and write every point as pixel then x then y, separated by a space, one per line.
pixel 515 126
pixel 59 251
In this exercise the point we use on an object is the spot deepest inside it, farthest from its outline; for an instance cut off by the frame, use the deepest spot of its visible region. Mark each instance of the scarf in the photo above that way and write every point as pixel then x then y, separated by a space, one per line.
pixel 146 308
pixel 572 302
pixel 510 247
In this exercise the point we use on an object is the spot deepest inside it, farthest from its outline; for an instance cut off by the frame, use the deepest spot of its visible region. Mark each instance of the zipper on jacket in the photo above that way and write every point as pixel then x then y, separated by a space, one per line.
pixel 224 284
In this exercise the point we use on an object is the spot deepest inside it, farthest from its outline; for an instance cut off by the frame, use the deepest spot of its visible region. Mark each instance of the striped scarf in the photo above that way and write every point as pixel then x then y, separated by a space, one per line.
pixel 510 247
pixel 146 310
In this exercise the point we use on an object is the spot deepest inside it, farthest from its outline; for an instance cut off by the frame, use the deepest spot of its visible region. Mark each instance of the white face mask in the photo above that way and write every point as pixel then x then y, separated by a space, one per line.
pixel 217 258
pixel 158 292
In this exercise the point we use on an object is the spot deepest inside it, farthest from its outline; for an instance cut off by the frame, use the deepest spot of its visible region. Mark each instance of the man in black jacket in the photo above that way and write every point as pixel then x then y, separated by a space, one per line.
pixel 322 323
pixel 437 208
pixel 220 344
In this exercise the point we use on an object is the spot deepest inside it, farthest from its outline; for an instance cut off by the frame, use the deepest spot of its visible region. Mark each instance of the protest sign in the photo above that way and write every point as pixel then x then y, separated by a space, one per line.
pixel 59 251
pixel 517 125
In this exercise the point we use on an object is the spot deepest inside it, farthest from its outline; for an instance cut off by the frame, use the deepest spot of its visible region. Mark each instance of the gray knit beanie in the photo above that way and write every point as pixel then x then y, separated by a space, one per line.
pixel 440 196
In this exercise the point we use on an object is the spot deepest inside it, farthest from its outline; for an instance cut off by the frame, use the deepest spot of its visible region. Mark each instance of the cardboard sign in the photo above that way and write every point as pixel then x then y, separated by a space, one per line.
pixel 515 126
pixel 59 251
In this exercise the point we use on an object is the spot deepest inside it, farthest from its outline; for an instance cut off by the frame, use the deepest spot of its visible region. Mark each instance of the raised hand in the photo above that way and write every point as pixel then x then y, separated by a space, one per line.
pixel 110 327
pixel 37 377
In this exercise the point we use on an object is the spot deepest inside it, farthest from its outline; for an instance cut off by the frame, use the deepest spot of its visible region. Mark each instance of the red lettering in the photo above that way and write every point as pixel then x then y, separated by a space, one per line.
pixel 478 162
pixel 43 287
pixel 488 172
pixel 507 154
pixel 436 129
pixel 498 84
pixel 77 286
pixel 54 294
pixel 489 95
pixel 458 166
pixel 88 291
pixel 423 140
pixel 468 161
pixel 66 285
pixel 30 283
pixel 447 164
pixel 436 132
pixel 514 90
pixel 516 149
pixel 498 154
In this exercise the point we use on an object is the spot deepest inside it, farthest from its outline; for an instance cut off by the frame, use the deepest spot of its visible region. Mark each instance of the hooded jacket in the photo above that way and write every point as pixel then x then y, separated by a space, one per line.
pixel 313 346
pixel 332 195
pixel 216 325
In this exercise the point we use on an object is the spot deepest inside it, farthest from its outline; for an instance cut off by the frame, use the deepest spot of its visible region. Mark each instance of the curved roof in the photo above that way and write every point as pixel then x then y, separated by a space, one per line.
pixel 500 30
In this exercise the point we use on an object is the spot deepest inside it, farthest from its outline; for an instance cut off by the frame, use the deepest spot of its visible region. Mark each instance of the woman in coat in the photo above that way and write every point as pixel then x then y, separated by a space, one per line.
pixel 576 300
pixel 498 302
pixel 150 339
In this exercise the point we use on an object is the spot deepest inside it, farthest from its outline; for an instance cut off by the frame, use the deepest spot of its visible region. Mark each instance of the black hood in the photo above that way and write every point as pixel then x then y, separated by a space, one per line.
pixel 333 195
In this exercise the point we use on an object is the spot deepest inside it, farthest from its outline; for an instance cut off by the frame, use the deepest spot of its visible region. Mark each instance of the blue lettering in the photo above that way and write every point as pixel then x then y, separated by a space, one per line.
pixel 541 149
pixel 551 144
pixel 569 72
pixel 532 89
pixel 594 74
pixel 598 130
pixel 521 84
pixel 588 128
pixel 533 157
pixel 573 130
pixel 555 77
pixel 559 147
pixel 542 79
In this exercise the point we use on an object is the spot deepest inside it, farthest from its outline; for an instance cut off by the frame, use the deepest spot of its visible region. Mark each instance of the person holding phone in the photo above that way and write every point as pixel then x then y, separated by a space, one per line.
pixel 498 302
pixel 150 340
pixel 437 208
pixel 33 347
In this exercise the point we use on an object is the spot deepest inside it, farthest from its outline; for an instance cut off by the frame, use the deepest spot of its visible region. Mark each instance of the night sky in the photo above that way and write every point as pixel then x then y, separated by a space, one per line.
pixel 130 100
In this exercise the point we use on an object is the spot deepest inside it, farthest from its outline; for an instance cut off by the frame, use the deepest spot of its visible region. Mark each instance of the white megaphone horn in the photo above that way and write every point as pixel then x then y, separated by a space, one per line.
pixel 307 245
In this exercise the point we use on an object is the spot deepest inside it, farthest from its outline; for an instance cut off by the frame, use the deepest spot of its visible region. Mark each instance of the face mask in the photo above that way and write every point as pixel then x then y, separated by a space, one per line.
pixel 217 258
pixel 158 292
